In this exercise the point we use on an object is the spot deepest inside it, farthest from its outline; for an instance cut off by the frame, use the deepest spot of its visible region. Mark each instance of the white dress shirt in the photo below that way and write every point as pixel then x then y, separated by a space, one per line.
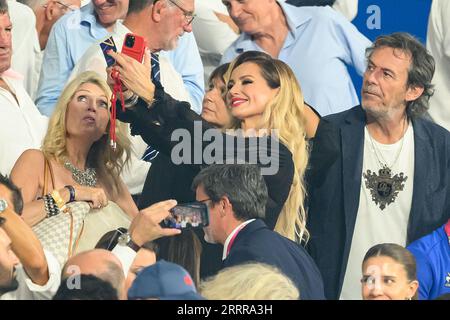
pixel 27 55
pixel 438 43
pixel 22 126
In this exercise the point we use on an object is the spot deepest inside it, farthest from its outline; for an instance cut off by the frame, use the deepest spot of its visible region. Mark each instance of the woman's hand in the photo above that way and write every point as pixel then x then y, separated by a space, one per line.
pixel 96 197
pixel 135 76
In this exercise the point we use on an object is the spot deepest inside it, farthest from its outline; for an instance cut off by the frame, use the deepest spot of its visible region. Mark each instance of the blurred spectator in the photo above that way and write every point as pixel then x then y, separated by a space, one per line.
pixel 25 45
pixel 432 253
pixel 214 32
pixel 23 127
pixel 236 196
pixel 90 288
pixel 163 281
pixel 389 273
pixel 252 281
pixel 184 250
pixel 438 42
pixel 290 34
pixel 46 12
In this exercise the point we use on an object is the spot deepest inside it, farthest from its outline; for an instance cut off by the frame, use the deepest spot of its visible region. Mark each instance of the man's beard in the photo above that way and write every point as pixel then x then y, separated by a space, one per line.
pixel 12 286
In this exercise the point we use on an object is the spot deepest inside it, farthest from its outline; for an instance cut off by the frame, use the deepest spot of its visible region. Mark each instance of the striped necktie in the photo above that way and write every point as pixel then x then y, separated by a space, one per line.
pixel 150 153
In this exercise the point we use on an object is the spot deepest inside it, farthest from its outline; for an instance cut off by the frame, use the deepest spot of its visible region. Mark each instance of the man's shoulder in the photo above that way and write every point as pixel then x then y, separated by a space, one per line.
pixel 354 114
pixel 320 14
pixel 432 126
pixel 424 246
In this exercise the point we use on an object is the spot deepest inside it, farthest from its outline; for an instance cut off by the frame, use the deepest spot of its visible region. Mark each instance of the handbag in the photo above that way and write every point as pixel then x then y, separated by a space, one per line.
pixel 60 234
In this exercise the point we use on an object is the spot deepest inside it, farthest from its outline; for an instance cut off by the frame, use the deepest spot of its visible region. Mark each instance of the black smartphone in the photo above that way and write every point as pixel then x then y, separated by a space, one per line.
pixel 188 215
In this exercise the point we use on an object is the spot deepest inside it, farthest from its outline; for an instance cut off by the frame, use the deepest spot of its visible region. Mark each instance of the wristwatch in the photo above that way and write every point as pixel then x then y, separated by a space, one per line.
pixel 126 241
pixel 3 205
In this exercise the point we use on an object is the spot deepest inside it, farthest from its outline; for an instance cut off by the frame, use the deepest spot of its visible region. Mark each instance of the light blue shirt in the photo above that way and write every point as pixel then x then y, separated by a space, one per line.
pixel 318 47
pixel 75 32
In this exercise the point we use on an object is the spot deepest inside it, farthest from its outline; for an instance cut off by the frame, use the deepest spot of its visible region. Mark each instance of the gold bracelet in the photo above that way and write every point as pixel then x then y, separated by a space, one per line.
pixel 58 199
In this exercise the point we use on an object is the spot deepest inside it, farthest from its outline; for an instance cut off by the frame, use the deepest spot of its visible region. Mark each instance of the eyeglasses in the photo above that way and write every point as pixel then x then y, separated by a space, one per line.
pixel 204 200
pixel 188 15
pixel 66 6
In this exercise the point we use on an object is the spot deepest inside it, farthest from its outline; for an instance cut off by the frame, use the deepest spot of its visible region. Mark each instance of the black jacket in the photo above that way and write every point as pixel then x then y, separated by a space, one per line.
pixel 256 242
pixel 334 182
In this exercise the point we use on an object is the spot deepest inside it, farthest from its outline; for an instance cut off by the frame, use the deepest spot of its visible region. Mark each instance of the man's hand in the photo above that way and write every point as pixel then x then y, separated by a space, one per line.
pixel 135 76
pixel 145 227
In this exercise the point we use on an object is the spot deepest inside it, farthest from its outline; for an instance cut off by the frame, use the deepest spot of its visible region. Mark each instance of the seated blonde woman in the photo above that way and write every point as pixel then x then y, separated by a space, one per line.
pixel 81 164
pixel 251 281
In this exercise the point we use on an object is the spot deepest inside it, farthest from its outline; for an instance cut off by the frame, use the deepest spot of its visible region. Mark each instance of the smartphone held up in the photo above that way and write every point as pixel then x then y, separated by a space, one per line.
pixel 134 47
pixel 188 215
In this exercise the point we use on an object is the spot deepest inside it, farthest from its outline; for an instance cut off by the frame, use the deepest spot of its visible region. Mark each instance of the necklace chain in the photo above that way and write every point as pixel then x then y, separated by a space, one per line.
pixel 85 178
pixel 384 163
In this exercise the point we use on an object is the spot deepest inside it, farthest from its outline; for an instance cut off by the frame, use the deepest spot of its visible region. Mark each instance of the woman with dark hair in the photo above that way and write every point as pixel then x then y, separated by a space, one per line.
pixel 167 180
pixel 263 95
pixel 389 273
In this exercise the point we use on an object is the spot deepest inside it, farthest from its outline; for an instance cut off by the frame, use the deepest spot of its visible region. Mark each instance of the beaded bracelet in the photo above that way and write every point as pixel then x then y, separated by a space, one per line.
pixel 50 206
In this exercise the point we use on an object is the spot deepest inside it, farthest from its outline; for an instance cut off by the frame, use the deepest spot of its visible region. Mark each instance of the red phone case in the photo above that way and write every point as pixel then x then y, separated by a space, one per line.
pixel 137 50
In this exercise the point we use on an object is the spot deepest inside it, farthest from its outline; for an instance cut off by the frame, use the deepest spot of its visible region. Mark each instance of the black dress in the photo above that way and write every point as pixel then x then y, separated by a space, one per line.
pixel 167 180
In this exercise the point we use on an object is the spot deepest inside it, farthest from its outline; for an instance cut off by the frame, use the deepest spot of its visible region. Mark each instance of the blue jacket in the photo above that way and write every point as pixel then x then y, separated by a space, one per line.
pixel 432 254
pixel 256 242
pixel 334 182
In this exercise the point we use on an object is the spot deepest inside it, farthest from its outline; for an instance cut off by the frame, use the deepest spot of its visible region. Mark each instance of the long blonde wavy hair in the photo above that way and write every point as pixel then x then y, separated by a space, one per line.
pixel 107 162
pixel 285 113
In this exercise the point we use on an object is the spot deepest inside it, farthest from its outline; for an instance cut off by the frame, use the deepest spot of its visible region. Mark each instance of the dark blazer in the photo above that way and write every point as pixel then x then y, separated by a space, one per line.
pixel 256 242
pixel 334 182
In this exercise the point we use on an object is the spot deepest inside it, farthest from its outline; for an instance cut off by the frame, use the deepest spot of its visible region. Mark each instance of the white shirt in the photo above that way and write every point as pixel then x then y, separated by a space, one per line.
pixel 28 290
pixel 126 256
pixel 27 55
pixel 349 8
pixel 22 126
pixel 438 43
pixel 373 225
pixel 135 173
pixel 213 36
pixel 231 235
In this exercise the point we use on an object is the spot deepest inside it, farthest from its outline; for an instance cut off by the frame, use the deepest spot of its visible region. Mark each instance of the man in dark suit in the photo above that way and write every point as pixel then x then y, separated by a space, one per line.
pixel 379 172
pixel 236 197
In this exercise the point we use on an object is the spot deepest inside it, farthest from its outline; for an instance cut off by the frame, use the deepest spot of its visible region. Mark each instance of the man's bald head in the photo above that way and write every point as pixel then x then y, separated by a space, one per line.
pixel 98 262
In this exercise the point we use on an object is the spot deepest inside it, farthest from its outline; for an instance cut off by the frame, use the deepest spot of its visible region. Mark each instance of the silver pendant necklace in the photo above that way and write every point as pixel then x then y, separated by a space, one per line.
pixel 85 178
pixel 384 187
